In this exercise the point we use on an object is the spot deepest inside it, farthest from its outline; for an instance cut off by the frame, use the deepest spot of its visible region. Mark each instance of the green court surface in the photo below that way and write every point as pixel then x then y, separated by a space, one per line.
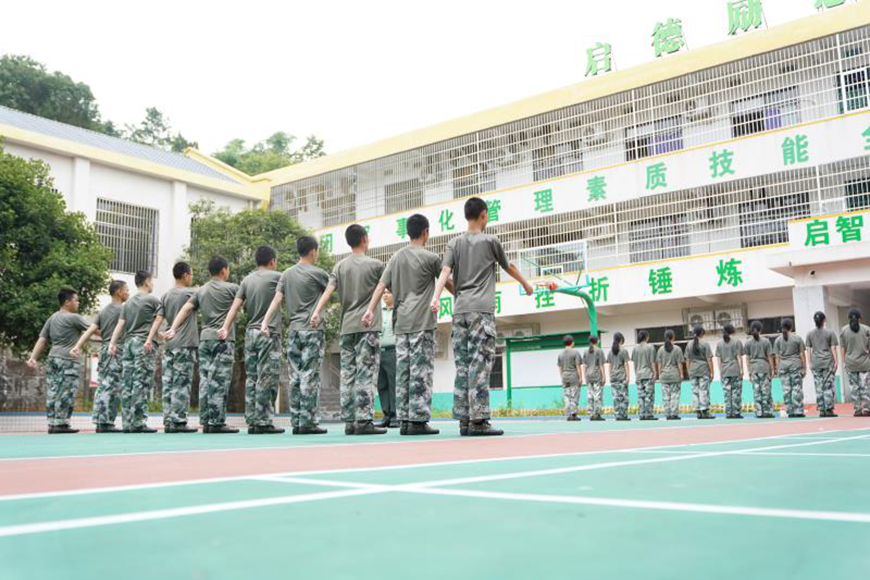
pixel 792 506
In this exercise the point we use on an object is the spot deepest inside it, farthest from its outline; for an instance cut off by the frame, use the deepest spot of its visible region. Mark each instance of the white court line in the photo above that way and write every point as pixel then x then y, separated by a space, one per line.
pixel 811 454
pixel 144 486
pixel 429 488
pixel 411 440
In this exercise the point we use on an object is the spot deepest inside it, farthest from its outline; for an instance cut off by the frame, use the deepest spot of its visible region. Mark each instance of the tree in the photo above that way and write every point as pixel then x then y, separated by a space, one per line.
pixel 273 153
pixel 42 247
pixel 26 85
pixel 156 131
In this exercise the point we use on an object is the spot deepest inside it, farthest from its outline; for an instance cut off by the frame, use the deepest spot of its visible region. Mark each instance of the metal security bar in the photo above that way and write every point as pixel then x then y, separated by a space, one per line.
pixel 130 231
pixel 743 213
pixel 814 80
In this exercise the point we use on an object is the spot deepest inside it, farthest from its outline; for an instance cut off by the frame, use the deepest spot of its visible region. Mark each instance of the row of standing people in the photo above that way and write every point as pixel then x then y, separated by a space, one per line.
pixel 756 358
pixel 416 277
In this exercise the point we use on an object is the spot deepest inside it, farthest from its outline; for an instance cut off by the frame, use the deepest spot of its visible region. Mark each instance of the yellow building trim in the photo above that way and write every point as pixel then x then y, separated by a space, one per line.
pixel 260 186
pixel 829 216
pixel 816 26
pixel 115 159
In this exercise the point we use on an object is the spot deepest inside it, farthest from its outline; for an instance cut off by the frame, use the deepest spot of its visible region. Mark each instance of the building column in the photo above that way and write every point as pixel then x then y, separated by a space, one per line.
pixel 807 301
pixel 179 220
pixel 80 194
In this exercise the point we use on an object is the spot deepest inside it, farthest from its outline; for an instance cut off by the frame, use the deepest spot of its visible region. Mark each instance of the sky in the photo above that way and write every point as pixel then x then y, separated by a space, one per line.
pixel 349 72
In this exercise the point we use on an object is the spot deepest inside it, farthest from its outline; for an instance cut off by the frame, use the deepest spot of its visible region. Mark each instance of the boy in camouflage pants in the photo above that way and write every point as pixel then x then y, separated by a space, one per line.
pixel 302 286
pixel 410 276
pixel 62 330
pixel 179 354
pixel 355 279
pixel 107 399
pixel 471 258
pixel 137 362
pixel 262 348
pixel 216 354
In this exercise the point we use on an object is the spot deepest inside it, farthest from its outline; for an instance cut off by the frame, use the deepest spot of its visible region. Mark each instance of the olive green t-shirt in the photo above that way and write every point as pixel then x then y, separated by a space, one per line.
pixel 302 286
pixel 355 279
pixel 63 330
pixel 789 352
pixel 411 275
pixel 213 300
pixel 473 257
pixel 138 314
pixel 593 359
pixel 729 354
pixel 618 365
pixel 644 357
pixel 569 360
pixel 170 304
pixel 857 345
pixel 670 364
pixel 823 342
pixel 758 353
pixel 257 290
pixel 107 320
pixel 699 364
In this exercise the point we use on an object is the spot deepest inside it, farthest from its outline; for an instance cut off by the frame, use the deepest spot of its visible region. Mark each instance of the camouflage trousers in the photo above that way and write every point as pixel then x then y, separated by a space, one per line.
pixel 732 389
pixel 619 389
pixel 646 397
pixel 62 378
pixel 262 367
pixel 762 397
pixel 594 398
pixel 415 369
pixel 215 376
pixel 137 379
pixel 671 398
pixel 305 350
pixel 360 363
pixel 571 394
pixel 701 393
pixel 826 390
pixel 178 365
pixel 107 399
pixel 793 391
pixel 474 353
pixel 859 383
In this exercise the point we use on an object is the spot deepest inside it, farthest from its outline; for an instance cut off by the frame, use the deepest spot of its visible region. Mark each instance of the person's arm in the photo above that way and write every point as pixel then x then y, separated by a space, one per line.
pixel 231 317
pixel 607 372
pixel 116 336
pixel 86 335
pixel 627 364
pixel 152 332
pixel 37 350
pixel 179 320
pixel 321 304
pixel 273 309
pixel 581 373
pixel 369 315
pixel 515 273
pixel 439 288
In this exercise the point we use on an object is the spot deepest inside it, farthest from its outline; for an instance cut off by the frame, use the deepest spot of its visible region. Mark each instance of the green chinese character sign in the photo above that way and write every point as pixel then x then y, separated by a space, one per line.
pixel 598 59
pixel 729 273
pixel 545 300
pixel 402 227
pixel 493 207
pixel 744 15
pixel 795 150
pixel 720 163
pixel 445 307
pixel 597 188
pixel 445 220
pixel 829 3
pixel 656 176
pixel 817 234
pixel 849 228
pixel 544 201
pixel 866 135
pixel 326 243
pixel 598 289
pixel 661 281
pixel 668 37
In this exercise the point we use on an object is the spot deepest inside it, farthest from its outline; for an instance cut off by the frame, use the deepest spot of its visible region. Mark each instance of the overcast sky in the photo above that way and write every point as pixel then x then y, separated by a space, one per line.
pixel 349 72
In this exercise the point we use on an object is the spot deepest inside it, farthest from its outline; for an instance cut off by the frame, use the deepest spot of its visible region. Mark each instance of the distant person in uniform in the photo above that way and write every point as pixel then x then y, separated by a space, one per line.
pixel 669 365
pixel 387 372
pixel 620 376
pixel 570 368
pixel 855 344
pixel 644 358
pixel 699 357
pixel 759 361
pixel 593 369
pixel 822 344
pixel 792 364
pixel 729 351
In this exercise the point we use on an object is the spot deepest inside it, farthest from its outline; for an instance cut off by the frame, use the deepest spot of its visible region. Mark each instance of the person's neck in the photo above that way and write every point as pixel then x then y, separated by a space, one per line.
pixel 144 291
pixel 306 260
pixel 67 309
pixel 180 284
pixel 218 279
pixel 116 300
pixel 418 242
pixel 359 251
pixel 475 227
pixel 265 269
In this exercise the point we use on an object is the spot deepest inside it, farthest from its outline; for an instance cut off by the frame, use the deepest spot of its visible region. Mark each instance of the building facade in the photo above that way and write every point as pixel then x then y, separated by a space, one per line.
pixel 725 184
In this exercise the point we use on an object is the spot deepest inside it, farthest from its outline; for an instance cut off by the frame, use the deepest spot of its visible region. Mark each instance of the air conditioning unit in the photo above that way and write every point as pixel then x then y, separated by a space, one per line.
pixel 734 315
pixel 703 318
pixel 553 270
pixel 518 331
pixel 699 109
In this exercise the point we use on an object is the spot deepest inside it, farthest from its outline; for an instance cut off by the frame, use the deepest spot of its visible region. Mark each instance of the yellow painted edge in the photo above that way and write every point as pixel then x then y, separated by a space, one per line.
pixel 730 50
pixel 643 161
pixel 828 216
pixel 112 158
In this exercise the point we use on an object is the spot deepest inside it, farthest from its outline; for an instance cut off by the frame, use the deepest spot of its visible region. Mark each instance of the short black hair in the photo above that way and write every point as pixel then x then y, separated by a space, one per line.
pixel 216 264
pixel 417 224
pixel 474 207
pixel 593 339
pixel 180 269
pixel 306 244
pixel 141 277
pixel 264 255
pixel 354 235
pixel 65 294
pixel 568 340
pixel 115 286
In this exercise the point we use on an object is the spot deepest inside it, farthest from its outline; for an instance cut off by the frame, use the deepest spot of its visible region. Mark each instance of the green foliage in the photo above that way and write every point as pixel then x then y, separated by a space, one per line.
pixel 42 247
pixel 273 153
pixel 156 131
pixel 236 236
pixel 26 85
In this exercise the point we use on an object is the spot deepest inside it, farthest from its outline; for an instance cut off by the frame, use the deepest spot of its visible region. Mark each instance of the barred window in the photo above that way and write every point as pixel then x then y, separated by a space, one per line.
pixel 130 231
pixel 765 112
pixel 656 138
pixel 857 194
pixel 764 219
pixel 659 238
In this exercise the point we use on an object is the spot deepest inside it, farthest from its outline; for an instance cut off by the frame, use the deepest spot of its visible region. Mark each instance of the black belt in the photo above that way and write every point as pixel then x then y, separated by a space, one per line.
pixel 388 347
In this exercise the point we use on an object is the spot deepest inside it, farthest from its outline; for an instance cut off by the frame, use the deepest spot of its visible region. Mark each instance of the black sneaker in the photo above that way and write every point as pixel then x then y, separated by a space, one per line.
pixel 107 428
pixel 384 423
pixel 206 428
pixel 482 428
pixel 253 430
pixel 463 427
pixel 349 428
pixel 414 428
pixel 368 428
pixel 143 429
pixel 573 418
pixel 832 414
pixel 183 428
pixel 270 430
pixel 222 429
pixel 674 418
pixel 313 430
pixel 394 423
pixel 61 430
pixel 623 418
pixel 649 418
pixel 596 418
pixel 403 429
